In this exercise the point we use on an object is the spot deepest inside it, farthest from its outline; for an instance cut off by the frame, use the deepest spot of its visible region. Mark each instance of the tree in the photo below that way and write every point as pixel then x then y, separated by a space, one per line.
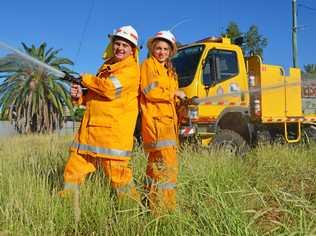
pixel 310 68
pixel 232 31
pixel 309 71
pixel 179 44
pixel 254 43
pixel 78 113
pixel 31 98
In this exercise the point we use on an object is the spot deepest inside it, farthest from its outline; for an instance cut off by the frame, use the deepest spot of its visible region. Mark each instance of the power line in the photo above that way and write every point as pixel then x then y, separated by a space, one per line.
pixel 85 27
pixel 306 7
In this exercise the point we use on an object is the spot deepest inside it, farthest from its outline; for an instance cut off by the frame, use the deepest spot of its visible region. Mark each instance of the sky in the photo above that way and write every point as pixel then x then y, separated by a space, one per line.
pixel 80 28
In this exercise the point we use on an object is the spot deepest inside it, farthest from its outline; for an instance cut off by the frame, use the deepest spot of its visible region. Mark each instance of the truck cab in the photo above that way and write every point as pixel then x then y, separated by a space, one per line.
pixel 238 97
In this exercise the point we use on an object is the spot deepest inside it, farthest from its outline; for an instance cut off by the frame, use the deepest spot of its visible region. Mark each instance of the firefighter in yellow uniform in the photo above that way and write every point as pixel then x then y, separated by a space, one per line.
pixel 105 136
pixel 159 91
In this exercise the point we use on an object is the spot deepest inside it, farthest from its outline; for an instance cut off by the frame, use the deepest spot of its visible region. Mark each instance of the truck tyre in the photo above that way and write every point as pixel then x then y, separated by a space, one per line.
pixel 312 132
pixel 263 137
pixel 230 141
pixel 309 134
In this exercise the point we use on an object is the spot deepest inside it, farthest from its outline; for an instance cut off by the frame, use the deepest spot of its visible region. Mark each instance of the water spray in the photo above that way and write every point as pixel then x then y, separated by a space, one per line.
pixel 23 57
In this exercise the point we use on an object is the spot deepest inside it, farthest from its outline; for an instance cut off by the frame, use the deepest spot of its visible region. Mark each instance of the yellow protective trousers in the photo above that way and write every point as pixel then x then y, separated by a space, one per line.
pixel 161 179
pixel 118 172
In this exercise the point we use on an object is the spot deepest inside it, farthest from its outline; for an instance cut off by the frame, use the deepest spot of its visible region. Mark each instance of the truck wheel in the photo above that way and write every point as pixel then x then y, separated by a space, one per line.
pixel 230 141
pixel 305 139
pixel 311 131
pixel 263 137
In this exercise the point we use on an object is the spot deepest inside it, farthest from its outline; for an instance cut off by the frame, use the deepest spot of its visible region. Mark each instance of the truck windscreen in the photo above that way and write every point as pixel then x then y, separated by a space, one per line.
pixel 186 62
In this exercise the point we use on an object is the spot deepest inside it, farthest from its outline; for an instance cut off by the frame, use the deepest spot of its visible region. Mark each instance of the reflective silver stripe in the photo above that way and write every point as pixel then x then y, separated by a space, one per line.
pixel 126 188
pixel 71 186
pixel 160 143
pixel 117 85
pixel 166 185
pixel 162 185
pixel 150 87
pixel 101 150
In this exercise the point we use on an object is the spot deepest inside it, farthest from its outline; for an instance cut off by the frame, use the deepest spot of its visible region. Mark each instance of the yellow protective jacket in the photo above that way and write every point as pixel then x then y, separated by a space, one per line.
pixel 111 111
pixel 157 101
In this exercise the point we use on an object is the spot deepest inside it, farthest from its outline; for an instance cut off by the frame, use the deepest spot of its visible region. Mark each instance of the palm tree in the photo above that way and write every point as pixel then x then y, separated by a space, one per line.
pixel 32 99
pixel 309 71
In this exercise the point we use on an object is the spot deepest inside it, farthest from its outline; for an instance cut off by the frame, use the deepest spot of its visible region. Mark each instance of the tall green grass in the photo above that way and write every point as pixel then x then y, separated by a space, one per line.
pixel 272 191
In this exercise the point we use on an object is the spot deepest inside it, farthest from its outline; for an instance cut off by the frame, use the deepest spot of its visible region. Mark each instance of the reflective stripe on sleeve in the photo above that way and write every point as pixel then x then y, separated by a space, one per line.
pixel 160 185
pixel 117 85
pixel 150 87
pixel 160 143
pixel 101 150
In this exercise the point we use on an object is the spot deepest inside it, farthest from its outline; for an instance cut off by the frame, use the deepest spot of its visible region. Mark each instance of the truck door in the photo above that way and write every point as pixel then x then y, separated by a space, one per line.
pixel 220 78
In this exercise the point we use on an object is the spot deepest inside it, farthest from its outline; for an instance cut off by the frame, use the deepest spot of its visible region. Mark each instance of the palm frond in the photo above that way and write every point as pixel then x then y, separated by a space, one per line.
pixel 41 51
pixel 51 56
pixel 61 61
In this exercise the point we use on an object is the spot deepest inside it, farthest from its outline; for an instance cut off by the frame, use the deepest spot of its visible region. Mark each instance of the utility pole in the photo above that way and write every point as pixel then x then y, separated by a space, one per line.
pixel 294 31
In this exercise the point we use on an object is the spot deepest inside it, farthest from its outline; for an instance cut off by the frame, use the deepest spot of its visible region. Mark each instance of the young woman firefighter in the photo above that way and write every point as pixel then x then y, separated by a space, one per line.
pixel 105 136
pixel 159 90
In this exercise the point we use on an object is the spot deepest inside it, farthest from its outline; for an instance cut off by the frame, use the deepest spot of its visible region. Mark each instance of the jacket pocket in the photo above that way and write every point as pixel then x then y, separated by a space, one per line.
pixel 101 121
pixel 165 127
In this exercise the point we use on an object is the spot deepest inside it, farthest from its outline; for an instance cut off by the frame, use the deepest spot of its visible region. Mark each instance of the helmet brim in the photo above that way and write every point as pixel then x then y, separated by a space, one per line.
pixel 113 37
pixel 172 45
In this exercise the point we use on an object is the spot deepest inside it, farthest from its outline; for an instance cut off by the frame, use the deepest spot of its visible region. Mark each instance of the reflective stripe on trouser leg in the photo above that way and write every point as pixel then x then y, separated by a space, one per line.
pixel 162 171
pixel 77 168
pixel 71 187
pixel 120 176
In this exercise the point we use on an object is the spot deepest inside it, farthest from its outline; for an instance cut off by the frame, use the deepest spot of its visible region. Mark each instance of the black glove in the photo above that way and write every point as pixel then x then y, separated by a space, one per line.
pixel 72 79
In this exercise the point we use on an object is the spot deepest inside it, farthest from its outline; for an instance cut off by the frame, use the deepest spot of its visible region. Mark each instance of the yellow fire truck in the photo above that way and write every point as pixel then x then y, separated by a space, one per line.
pixel 238 101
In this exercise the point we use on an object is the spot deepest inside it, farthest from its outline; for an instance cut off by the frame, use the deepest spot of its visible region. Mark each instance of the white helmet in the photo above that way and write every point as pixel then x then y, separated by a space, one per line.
pixel 126 32
pixel 167 35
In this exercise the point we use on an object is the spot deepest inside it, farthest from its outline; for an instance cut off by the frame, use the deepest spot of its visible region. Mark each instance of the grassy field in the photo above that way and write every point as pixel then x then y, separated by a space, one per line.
pixel 272 191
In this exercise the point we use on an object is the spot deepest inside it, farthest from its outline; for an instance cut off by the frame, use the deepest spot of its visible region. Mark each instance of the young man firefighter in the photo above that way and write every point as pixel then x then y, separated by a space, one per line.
pixel 159 89
pixel 105 136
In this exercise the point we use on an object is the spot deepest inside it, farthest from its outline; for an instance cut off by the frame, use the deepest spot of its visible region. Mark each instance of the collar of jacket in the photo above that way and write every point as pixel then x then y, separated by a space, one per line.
pixel 159 67
pixel 111 68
